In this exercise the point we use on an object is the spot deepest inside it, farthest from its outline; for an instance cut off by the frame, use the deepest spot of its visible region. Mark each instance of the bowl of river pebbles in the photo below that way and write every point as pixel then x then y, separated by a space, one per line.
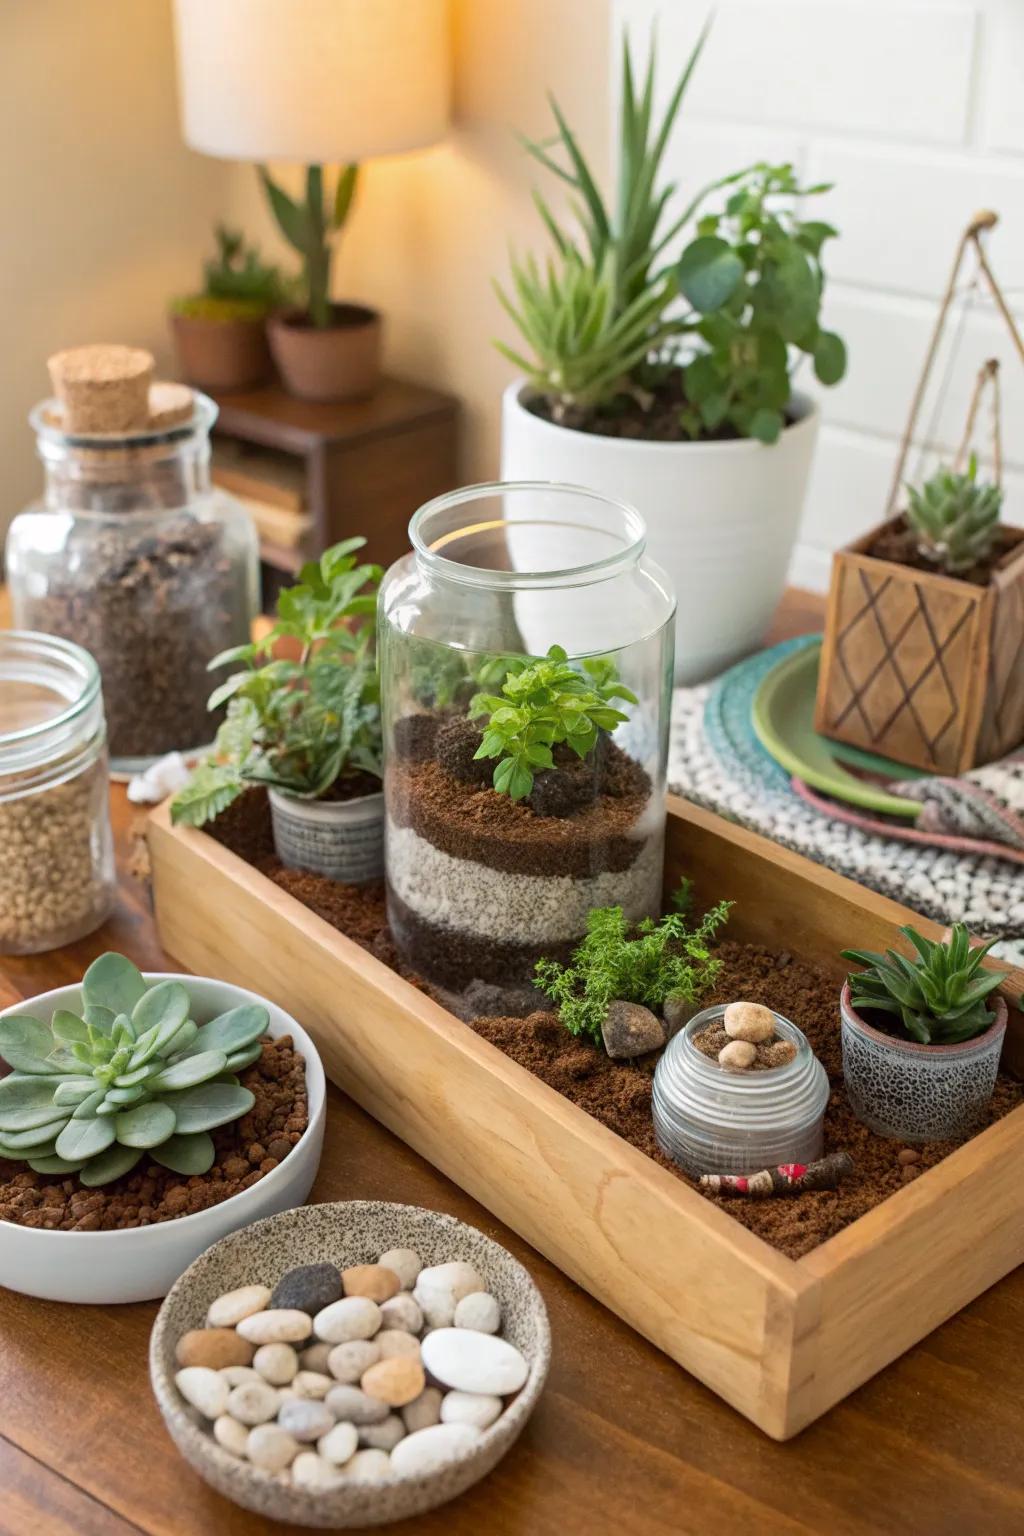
pixel 348 1365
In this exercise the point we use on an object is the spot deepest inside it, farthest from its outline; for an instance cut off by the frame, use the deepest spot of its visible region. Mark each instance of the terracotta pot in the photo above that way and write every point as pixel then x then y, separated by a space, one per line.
pixel 222 354
pixel 340 363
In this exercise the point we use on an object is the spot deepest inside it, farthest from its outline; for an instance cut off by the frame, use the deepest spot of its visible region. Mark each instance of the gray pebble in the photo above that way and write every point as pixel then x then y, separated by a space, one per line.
pixel 314 1358
pixel 401 1312
pixel 353 1406
pixel 480 1312
pixel 308 1288
pixel 305 1418
pixel 254 1402
pixel 423 1411
pixel 383 1436
pixel 347 1362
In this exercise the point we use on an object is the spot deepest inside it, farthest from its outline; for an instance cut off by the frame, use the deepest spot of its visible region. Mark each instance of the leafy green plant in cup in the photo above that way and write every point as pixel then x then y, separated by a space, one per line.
pixel 90 1093
pixel 544 703
pixel 237 283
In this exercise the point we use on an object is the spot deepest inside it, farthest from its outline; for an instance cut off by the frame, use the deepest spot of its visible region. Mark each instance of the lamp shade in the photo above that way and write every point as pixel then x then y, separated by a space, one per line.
pixel 314 81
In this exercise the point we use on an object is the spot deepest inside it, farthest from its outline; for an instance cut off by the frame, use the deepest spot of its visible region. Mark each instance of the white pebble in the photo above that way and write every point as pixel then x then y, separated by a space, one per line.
pixel 474 1362
pixel 367 1467
pixel 276 1363
pixel 315 1356
pixel 347 1362
pixel 312 1384
pixel 353 1317
pixel 476 1408
pixel 204 1389
pixel 383 1436
pixel 230 1434
pixel 311 1471
pixel 423 1410
pixel 429 1449
pixel 354 1406
pixel 339 1444
pixel 230 1309
pixel 271 1447
pixel 235 1375
pixel 402 1312
pixel 305 1418
pixel 394 1343
pixel 254 1402
pixel 441 1287
pixel 282 1325
pixel 405 1263
pixel 480 1311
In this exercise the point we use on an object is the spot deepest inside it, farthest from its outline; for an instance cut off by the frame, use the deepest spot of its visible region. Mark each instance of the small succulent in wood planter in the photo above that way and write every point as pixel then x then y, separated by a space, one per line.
pixel 955 517
pixel 940 998
pixel 133 1074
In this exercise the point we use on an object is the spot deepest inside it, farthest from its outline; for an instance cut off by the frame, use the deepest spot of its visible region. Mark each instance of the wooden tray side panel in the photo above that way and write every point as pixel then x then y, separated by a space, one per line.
pixel 1002 724
pixel 708 1293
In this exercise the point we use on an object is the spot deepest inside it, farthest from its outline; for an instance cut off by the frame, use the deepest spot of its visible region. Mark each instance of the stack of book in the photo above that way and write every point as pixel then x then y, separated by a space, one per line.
pixel 271 487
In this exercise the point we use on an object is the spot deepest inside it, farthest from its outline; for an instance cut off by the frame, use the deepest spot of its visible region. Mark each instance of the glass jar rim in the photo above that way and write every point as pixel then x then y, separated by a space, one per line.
pixel 478 576
pixel 44 420
pixel 31 745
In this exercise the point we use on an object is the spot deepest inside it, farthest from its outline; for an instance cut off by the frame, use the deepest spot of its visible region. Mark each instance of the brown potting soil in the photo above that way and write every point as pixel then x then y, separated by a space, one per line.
pixel 474 822
pixel 768 1053
pixel 657 418
pixel 897 542
pixel 353 786
pixel 247 1150
pixel 618 1094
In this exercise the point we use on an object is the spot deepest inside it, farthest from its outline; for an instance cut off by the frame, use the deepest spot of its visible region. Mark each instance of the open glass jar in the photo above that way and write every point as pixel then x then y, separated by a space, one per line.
pixel 482 885
pixel 57 862
pixel 132 555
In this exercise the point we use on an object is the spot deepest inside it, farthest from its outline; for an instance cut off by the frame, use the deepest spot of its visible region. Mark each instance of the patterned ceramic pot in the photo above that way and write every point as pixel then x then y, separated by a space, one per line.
pixel 342 839
pixel 918 1092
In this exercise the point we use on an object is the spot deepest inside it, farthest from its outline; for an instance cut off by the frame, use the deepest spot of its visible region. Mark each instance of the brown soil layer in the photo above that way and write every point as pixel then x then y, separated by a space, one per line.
pixel 655 420
pixel 474 822
pixel 246 1151
pixel 897 543
pixel 353 786
pixel 714 1039
pixel 446 956
pixel 619 1095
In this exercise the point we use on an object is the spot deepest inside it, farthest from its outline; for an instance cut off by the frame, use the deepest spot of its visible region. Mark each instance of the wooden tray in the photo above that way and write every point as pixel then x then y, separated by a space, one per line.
pixel 781 1340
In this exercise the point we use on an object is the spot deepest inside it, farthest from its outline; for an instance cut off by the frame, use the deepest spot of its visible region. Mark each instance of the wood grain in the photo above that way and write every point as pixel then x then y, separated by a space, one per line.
pixel 622 1441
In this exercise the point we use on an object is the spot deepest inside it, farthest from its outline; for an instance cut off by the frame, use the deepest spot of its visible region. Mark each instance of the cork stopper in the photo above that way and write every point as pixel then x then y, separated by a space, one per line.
pixel 169 404
pixel 103 388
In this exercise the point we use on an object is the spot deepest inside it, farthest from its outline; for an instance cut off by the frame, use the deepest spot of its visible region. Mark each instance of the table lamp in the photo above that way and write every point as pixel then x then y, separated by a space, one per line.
pixel 318 82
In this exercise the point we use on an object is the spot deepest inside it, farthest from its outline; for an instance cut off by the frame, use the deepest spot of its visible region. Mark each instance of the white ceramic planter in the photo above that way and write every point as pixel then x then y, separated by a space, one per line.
pixel 342 839
pixel 721 518
pixel 143 1263
pixel 918 1092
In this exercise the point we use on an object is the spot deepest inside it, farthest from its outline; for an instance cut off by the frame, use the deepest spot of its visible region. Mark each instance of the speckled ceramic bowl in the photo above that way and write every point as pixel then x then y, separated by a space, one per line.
pixel 350 1232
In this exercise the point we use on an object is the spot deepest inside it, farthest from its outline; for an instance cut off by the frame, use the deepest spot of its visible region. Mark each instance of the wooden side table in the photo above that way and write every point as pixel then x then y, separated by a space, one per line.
pixel 365 465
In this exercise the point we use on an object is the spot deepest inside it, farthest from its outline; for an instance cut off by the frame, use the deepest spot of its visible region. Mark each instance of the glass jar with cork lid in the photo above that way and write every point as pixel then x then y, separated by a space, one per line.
pixel 131 553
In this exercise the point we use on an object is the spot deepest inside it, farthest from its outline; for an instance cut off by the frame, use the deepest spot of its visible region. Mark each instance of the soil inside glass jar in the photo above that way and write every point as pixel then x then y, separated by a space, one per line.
pixel 618 1094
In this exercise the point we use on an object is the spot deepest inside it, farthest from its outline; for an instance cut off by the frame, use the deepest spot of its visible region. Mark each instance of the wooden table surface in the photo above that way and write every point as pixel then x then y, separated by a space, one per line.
pixel 622 1441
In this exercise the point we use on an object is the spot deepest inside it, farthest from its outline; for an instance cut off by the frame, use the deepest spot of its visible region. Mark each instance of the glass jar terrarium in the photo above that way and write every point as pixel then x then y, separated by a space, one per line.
pixel 57 864
pixel 484 881
pixel 132 555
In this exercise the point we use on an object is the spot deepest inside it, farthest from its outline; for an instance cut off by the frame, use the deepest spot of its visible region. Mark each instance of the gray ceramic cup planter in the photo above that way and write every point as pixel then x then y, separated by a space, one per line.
pixel 341 839
pixel 918 1092
pixel 346 1233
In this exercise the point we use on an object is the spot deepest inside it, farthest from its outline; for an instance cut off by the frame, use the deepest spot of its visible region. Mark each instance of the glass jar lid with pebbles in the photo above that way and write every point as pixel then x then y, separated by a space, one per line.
pixel 131 553
pixel 738 1090
pixel 56 852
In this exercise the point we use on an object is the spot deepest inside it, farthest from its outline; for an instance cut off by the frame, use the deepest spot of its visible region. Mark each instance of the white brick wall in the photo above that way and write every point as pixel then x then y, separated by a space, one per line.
pixel 915 109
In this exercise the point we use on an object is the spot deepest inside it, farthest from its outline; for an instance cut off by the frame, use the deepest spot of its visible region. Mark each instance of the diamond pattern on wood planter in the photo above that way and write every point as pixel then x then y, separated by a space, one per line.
pixel 921 667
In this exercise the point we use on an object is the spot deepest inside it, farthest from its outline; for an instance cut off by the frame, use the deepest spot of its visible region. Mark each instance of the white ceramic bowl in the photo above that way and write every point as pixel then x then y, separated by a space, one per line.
pixel 143 1263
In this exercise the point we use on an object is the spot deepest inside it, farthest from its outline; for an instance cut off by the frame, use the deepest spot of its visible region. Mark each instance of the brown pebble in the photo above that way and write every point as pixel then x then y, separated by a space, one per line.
pixel 213 1347
pixel 908 1155
pixel 738 1055
pixel 396 1381
pixel 908 1172
pixel 372 1280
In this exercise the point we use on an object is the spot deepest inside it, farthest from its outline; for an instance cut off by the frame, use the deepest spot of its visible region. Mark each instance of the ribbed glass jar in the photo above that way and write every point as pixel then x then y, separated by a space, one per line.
pixel 133 555
pixel 710 1119
pixel 481 886
pixel 56 851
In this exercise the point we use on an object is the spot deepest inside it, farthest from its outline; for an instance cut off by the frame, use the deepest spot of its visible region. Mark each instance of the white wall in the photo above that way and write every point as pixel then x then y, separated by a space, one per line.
pixel 915 109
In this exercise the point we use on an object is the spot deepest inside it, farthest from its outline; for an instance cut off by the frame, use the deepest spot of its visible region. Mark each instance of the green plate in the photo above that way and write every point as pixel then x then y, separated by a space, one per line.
pixel 783 720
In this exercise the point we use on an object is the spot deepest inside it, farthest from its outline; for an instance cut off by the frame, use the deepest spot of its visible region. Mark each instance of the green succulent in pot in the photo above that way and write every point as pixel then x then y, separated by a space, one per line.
pixel 955 517
pixel 939 998
pixel 132 1074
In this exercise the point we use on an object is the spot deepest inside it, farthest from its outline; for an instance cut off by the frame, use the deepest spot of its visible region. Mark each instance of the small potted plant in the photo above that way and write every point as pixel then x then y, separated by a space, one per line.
pixel 922 638
pixel 670 383
pixel 922 1037
pixel 220 333
pixel 306 725
pixel 323 351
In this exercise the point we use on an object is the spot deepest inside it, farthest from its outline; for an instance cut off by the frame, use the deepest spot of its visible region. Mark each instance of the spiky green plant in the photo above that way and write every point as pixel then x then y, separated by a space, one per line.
pixel 310 225
pixel 90 1093
pixel 955 517
pixel 939 998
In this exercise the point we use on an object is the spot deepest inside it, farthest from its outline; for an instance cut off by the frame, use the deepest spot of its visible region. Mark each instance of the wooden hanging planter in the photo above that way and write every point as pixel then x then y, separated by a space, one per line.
pixel 922 667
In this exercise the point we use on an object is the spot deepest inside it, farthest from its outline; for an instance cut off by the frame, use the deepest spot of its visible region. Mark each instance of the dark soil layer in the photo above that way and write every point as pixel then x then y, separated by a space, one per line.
pixel 246 1150
pixel 472 822
pixel 619 1095
pixel 353 786
pixel 446 956
pixel 897 542
pixel 655 421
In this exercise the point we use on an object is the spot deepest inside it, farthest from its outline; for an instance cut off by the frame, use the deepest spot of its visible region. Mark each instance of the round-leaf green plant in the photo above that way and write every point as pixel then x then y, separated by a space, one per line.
pixel 133 1073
